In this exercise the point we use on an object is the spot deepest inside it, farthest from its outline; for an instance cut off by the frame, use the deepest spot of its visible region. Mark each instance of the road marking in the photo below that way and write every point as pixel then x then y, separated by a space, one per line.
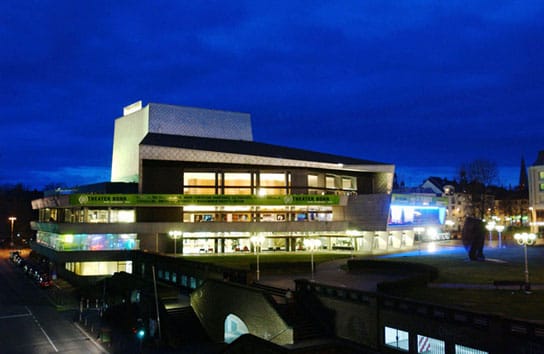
pixel 15 316
pixel 41 329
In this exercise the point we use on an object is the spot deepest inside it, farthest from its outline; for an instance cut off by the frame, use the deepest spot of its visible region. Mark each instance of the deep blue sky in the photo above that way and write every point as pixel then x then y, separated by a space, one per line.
pixel 425 85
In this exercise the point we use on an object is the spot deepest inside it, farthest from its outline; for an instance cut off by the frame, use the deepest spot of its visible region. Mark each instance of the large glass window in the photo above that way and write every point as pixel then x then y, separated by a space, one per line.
pixel 396 338
pixel 329 182
pixel 428 345
pixel 272 183
pixel 237 183
pixel 348 183
pixel 122 216
pixel 272 179
pixel 199 183
pixel 459 349
pixel 312 181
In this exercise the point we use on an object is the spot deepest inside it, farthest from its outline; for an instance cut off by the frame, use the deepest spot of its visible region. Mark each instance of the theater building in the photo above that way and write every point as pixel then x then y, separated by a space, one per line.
pixel 188 180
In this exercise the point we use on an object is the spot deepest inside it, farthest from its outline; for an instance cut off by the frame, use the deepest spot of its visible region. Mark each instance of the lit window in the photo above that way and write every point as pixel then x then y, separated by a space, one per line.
pixel 272 179
pixel 459 349
pixel 237 179
pixel 347 183
pixel 329 182
pixel 396 338
pixel 428 345
pixel 312 181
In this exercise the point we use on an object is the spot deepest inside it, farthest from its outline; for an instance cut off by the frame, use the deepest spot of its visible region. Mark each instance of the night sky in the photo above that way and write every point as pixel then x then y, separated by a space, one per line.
pixel 425 85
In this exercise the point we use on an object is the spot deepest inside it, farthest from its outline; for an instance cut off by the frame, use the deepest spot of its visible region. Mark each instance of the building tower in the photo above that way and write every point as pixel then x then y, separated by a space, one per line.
pixel 523 179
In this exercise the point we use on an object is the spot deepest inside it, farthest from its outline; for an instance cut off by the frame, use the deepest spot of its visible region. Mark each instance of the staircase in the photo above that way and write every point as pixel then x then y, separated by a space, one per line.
pixel 300 318
pixel 182 325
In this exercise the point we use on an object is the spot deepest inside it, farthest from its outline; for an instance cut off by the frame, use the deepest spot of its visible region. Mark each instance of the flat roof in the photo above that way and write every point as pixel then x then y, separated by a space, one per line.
pixel 249 148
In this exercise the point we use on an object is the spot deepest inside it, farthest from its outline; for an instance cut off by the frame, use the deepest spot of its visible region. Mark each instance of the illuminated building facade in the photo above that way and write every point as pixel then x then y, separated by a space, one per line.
pixel 536 193
pixel 194 181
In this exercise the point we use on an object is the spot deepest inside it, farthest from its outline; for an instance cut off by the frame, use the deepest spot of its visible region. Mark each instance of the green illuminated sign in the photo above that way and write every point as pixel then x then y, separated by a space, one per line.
pixel 202 199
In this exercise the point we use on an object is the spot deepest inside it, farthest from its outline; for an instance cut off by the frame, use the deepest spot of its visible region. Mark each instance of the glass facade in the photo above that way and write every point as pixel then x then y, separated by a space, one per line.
pixel 99 268
pixel 87 242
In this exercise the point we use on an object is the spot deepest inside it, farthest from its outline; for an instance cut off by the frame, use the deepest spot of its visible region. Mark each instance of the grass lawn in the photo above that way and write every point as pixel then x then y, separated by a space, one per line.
pixel 501 264
pixel 243 261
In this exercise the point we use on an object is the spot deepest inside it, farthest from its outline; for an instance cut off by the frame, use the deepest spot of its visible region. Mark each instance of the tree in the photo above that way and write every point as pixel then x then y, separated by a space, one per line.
pixel 476 177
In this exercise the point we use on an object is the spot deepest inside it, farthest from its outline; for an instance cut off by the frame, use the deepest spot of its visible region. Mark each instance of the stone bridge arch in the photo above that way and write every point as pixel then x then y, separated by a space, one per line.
pixel 214 301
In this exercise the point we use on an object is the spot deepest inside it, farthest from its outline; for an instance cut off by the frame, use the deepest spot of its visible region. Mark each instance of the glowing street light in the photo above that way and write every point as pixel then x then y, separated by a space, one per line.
pixel 312 244
pixel 175 235
pixel 257 241
pixel 525 239
pixel 490 226
pixel 500 229
pixel 12 220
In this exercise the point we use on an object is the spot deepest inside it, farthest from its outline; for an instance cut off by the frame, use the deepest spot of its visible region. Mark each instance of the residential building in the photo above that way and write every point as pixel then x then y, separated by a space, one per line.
pixel 536 193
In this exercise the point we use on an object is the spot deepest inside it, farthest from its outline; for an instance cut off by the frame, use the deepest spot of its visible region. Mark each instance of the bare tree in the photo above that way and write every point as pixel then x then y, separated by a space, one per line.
pixel 476 176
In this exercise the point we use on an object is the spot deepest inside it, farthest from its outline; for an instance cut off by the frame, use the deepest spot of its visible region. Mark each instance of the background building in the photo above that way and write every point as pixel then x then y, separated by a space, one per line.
pixel 536 193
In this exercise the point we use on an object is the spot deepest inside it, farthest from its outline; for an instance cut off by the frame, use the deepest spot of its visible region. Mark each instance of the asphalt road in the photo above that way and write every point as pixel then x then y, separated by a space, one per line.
pixel 29 323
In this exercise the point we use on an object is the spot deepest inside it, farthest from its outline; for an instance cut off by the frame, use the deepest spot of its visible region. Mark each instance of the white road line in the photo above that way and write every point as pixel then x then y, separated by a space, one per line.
pixel 15 316
pixel 43 331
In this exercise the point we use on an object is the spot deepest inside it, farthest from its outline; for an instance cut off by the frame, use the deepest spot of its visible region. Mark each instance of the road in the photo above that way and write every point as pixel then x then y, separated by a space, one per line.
pixel 30 324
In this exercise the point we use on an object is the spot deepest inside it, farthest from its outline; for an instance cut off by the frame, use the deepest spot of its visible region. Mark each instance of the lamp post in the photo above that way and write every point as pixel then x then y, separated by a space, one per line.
pixel 257 242
pixel 352 234
pixel 525 239
pixel 490 226
pixel 175 235
pixel 12 220
pixel 312 244
pixel 500 229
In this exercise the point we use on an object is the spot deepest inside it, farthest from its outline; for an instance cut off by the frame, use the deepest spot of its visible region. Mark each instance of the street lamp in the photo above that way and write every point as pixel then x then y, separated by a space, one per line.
pixel 312 244
pixel 525 239
pixel 257 241
pixel 352 234
pixel 500 229
pixel 490 226
pixel 12 219
pixel 175 235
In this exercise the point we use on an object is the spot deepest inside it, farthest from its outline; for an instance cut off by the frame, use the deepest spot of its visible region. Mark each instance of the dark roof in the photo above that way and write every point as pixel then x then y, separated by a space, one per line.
pixel 248 148
pixel 540 159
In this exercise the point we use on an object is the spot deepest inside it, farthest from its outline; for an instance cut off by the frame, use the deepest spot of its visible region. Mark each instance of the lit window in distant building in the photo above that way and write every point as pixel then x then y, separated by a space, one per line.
pixel 541 174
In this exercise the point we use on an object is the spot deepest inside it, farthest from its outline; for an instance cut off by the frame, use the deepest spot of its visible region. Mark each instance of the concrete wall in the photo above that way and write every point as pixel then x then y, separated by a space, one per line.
pixel 215 300
pixel 368 211
pixel 128 133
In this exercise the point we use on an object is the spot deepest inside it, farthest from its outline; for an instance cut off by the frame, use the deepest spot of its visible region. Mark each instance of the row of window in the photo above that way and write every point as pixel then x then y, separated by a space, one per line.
pixel 399 339
pixel 247 183
pixel 194 214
